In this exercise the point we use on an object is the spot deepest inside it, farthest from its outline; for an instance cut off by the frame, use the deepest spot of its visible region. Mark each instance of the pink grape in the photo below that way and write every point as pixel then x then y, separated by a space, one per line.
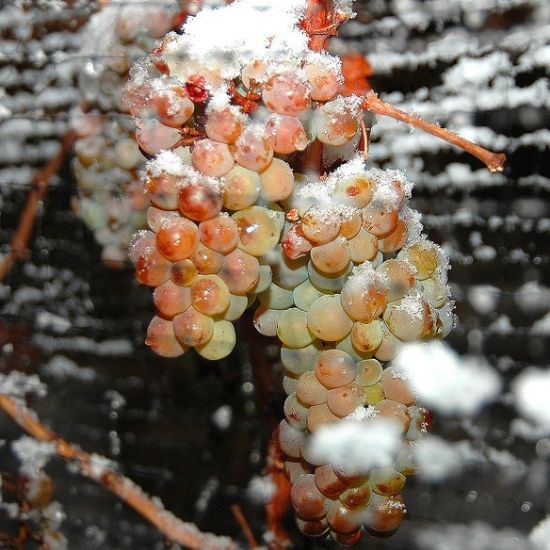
pixel 211 158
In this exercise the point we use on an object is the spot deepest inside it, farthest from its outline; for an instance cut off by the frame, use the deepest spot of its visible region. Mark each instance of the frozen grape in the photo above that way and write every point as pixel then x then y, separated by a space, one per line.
pixel 400 275
pixel 211 158
pixel 364 298
pixel 327 320
pixel 183 273
pixel 170 299
pixel 320 415
pixel 309 390
pixel 177 239
pixel 396 387
pixel 162 340
pixel 343 519
pixel 369 371
pixel 290 439
pixel 298 361
pixel 344 400
pixel 379 222
pixel 277 181
pixel 259 229
pixel 295 412
pixel 305 294
pixel 206 260
pixel 356 191
pixel 220 233
pixel 334 125
pixel 237 306
pixel 241 188
pixel 287 94
pixel 193 328
pixel 292 328
pixel 367 337
pixel 276 297
pixel 221 344
pixel 152 269
pixel 320 227
pixel 224 125
pixel 253 150
pixel 396 239
pixel 386 481
pixel 199 201
pixel 240 271
pixel 332 257
pixel 266 320
pixel 286 134
pixel 334 368
pixel 210 295
pixel 324 82
pixel 328 482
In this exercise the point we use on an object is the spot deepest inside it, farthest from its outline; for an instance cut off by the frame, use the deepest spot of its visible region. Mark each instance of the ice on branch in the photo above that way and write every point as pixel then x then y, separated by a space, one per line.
pixel 531 390
pixel 445 381
pixel 33 454
pixel 17 385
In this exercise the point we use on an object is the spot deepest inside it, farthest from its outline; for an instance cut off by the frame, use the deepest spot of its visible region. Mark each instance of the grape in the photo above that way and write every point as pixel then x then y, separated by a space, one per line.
pixel 299 361
pixel 156 217
pixel 264 279
pixel 277 181
pixel 357 497
pixel 369 371
pixel 172 105
pixel 436 290
pixel 276 297
pixel 266 320
pixel 309 390
pixel 327 319
pixel 221 344
pixel 306 499
pixel 320 415
pixel 294 243
pixel 210 295
pixel 343 519
pixel 367 337
pixel 386 481
pixel 312 528
pixel 334 368
pixel 385 514
pixel 127 154
pixel 292 328
pixel 295 469
pixel 390 346
pixel 374 393
pixel 153 136
pixel 286 272
pixel 379 222
pixel 404 463
pixel 141 242
pixel 362 247
pixel 396 239
pixel 224 125
pixel 295 412
pixel 162 190
pixel 347 539
pixel 192 328
pixel 161 338
pixel 351 225
pixel 334 125
pixel 240 271
pixel 171 299
pixel 332 257
pixel 177 239
pixel 241 188
pixel 400 275
pixel 346 345
pixel 254 71
pixel 364 298
pixel 253 150
pixel 305 294
pixel 286 93
pixel 211 158
pixel 152 269
pixel 183 273
pixel 237 306
pixel 324 83
pixel 199 201
pixel 259 229
pixel 424 255
pixel 328 483
pixel 396 387
pixel 286 134
pixel 387 408
pixel 344 400
pixel 206 260
pixel 410 318
pixel 328 282
pixel 220 233
pixel 356 191
pixel 290 439
pixel 320 227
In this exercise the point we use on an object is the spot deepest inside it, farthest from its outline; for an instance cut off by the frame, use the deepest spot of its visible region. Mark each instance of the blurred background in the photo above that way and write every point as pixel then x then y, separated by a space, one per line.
pixel 195 433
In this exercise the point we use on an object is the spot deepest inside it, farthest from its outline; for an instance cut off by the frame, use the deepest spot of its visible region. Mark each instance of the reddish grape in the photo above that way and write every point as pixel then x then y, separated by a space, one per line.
pixel 199 202
pixel 161 338
pixel 192 328
pixel 220 233
pixel 177 239
pixel 211 158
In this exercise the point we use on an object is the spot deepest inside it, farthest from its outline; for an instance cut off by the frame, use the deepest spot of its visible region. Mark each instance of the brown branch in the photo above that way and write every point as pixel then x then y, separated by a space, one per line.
pixel 101 470
pixel 493 161
pixel 40 183
pixel 243 524
pixel 321 21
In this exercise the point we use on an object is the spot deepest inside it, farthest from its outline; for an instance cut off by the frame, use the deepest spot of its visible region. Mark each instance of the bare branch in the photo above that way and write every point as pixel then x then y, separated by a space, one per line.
pixel 493 161
pixel 102 470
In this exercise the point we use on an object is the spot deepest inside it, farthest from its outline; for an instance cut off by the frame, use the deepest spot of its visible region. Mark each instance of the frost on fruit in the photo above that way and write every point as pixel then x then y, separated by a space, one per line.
pixel 267 165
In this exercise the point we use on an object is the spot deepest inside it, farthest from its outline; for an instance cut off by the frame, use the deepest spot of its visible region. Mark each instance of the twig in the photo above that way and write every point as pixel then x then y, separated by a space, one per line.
pixel 493 161
pixel 101 470
pixel 40 181
pixel 243 523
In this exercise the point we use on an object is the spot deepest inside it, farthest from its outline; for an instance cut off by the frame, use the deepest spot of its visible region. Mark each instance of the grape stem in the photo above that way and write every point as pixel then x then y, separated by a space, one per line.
pixel 103 471
pixel 493 161
pixel 244 525
pixel 40 183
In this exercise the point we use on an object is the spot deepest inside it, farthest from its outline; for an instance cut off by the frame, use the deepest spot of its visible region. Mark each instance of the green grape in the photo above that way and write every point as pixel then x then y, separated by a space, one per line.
pixel 305 294
pixel 327 319
pixel 221 344
pixel 298 361
pixel 292 328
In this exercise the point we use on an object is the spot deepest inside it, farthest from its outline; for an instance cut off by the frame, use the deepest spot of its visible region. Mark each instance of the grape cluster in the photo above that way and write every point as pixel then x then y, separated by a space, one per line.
pixel 337 261
pixel 111 200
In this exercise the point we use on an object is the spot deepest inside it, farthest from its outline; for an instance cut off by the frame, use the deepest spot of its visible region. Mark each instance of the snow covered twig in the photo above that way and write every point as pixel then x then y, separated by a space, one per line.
pixel 103 471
